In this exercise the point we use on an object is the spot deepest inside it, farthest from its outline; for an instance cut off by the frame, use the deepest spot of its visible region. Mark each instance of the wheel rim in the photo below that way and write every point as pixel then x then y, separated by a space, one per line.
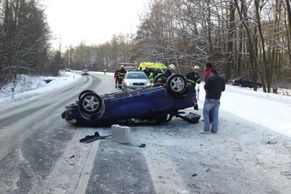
pixel 90 103
pixel 177 84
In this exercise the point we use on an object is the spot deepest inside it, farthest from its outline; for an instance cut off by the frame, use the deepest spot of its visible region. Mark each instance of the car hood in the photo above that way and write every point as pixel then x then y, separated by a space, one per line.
pixel 130 81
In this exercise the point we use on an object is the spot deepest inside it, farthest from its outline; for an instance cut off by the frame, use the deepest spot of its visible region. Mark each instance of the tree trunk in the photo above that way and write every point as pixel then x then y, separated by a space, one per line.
pixel 231 37
pixel 288 10
pixel 210 45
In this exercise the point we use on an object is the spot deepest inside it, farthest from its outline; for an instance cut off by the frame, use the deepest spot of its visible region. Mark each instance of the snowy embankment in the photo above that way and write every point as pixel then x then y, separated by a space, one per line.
pixel 27 87
pixel 269 110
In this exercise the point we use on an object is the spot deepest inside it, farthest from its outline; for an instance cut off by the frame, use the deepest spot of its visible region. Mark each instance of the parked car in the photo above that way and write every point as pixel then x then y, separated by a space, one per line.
pixel 135 79
pixel 155 103
pixel 245 82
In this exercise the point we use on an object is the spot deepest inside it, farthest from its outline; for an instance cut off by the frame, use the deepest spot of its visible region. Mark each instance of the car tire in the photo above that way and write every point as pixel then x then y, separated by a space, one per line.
pixel 176 85
pixel 90 103
pixel 84 92
pixel 160 79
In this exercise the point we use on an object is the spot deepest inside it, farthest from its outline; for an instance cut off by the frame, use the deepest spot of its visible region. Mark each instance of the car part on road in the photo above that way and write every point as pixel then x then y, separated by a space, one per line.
pixel 120 134
pixel 143 145
pixel 91 138
pixel 191 117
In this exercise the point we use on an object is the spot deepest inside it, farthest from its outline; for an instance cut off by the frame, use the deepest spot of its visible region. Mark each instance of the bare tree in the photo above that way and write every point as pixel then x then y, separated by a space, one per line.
pixel 24 38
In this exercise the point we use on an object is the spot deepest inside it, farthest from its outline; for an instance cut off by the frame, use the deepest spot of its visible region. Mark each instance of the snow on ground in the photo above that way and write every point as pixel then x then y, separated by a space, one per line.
pixel 269 110
pixel 27 86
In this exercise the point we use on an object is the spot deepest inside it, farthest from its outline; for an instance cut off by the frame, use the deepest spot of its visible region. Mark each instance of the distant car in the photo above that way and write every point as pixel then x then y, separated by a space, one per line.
pixel 245 82
pixel 135 79
pixel 85 73
pixel 67 69
pixel 156 103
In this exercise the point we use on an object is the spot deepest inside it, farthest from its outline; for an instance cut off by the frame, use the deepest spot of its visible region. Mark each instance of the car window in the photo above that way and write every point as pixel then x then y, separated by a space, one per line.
pixel 136 76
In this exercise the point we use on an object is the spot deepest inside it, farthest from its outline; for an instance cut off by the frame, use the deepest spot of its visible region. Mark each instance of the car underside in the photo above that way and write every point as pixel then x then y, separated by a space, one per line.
pixel 157 103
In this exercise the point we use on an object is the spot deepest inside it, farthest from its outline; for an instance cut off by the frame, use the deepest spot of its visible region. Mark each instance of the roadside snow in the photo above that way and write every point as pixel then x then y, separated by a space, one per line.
pixel 27 86
pixel 269 110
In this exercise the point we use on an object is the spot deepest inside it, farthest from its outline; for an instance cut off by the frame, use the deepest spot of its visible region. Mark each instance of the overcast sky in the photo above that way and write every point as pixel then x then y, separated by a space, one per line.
pixel 91 21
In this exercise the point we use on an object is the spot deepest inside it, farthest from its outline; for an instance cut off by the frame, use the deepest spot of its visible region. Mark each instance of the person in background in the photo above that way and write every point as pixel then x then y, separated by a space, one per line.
pixel 116 78
pixel 151 76
pixel 162 78
pixel 121 75
pixel 208 70
pixel 169 70
pixel 214 86
pixel 193 79
pixel 147 71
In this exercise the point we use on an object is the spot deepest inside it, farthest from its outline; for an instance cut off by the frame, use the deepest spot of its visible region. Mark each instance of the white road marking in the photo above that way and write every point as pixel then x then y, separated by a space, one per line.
pixel 86 173
pixel 72 171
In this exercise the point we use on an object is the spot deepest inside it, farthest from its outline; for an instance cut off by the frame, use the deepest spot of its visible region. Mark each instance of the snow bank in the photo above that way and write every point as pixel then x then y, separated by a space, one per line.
pixel 270 110
pixel 29 86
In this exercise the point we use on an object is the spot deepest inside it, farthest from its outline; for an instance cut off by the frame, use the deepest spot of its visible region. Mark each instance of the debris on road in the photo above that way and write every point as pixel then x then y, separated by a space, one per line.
pixel 91 138
pixel 120 134
pixel 142 145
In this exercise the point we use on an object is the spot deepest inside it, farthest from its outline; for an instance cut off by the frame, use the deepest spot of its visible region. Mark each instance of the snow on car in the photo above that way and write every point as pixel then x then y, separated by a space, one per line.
pixel 155 103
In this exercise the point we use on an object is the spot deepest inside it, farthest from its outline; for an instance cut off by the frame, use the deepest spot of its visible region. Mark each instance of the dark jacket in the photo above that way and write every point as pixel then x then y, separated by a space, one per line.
pixel 193 78
pixel 214 85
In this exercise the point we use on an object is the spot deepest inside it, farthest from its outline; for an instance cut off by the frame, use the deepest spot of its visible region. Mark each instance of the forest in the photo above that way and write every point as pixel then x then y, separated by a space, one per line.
pixel 240 37
pixel 24 41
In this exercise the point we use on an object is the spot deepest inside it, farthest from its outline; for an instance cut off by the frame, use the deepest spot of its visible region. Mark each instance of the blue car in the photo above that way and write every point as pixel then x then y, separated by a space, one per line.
pixel 158 103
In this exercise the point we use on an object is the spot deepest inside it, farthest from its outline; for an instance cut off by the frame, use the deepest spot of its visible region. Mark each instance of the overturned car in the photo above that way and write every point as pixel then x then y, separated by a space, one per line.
pixel 158 103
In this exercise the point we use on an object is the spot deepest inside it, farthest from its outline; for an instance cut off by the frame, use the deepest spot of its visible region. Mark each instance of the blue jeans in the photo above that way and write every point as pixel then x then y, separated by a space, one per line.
pixel 210 114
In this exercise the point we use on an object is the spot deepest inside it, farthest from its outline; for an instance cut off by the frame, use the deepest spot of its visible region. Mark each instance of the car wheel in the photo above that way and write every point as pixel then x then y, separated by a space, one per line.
pixel 160 79
pixel 84 92
pixel 176 84
pixel 90 103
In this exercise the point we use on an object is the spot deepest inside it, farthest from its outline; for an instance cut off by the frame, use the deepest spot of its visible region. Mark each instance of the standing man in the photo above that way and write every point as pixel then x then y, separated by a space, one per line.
pixel 116 78
pixel 121 75
pixel 214 86
pixel 193 79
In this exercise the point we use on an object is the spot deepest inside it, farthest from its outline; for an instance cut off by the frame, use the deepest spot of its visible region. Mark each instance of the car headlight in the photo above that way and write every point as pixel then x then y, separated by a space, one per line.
pixel 148 83
pixel 127 83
